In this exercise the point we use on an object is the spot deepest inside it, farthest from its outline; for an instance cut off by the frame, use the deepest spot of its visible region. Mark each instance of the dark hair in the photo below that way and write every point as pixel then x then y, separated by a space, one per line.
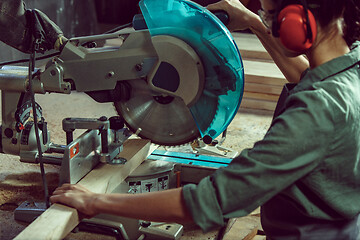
pixel 352 21
pixel 326 11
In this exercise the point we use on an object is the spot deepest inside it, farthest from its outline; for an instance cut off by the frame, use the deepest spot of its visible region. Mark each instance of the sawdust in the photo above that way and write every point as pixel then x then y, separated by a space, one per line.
pixel 20 182
pixel 17 188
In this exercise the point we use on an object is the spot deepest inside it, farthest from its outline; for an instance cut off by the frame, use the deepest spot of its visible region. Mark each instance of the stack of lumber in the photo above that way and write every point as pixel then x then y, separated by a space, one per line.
pixel 263 79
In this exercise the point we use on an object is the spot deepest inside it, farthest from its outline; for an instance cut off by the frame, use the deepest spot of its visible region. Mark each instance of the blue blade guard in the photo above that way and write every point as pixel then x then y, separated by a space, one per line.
pixel 224 71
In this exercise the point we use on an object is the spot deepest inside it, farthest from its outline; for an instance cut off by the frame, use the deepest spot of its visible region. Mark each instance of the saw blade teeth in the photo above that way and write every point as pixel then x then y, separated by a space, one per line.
pixel 138 131
pixel 168 123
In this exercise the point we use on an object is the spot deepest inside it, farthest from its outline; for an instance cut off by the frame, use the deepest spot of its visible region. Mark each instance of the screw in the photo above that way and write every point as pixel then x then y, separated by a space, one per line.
pixel 138 67
pixel 110 74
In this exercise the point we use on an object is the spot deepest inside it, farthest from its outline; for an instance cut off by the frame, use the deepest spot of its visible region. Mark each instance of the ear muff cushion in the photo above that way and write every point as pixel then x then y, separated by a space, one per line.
pixel 293 28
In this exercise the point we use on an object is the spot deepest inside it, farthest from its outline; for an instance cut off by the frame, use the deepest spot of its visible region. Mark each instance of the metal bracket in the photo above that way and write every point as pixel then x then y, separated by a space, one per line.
pixel 162 231
pixel 84 153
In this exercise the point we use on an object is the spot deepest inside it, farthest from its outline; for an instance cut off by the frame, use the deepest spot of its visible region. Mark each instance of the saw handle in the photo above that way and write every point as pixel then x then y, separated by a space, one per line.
pixel 222 15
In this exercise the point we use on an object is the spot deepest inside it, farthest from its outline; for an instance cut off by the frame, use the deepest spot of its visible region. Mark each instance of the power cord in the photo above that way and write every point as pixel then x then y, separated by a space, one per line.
pixel 36 126
pixel 27 60
pixel 37 41
pixel 118 28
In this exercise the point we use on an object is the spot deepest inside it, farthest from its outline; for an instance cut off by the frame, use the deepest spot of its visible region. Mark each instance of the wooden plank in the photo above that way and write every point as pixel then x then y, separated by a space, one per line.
pixel 263 72
pixel 57 221
pixel 262 88
pixel 256 212
pixel 259 237
pixel 135 151
pixel 257 104
pixel 250 46
pixel 261 96
pixel 264 80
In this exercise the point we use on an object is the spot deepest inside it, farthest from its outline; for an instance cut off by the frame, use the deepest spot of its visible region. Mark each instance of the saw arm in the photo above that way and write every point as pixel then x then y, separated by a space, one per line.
pixel 151 80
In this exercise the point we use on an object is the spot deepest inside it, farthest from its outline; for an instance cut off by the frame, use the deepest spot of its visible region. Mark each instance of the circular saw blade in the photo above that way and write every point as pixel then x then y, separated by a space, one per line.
pixel 224 73
pixel 164 120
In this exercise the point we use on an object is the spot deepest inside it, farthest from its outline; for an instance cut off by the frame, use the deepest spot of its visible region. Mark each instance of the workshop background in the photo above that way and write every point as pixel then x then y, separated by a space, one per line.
pixel 21 181
pixel 86 17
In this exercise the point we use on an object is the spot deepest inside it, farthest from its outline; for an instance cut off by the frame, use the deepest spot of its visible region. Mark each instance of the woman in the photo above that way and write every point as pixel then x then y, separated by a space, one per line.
pixel 305 172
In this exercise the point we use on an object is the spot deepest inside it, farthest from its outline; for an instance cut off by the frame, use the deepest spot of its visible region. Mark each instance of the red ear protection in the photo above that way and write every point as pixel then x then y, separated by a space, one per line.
pixel 295 31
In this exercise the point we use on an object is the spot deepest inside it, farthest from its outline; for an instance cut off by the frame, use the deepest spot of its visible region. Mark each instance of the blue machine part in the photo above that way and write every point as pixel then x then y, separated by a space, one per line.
pixel 224 71
pixel 190 159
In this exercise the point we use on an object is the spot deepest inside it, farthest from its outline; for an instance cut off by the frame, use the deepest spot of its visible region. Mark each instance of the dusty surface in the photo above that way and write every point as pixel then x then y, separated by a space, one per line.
pixel 22 181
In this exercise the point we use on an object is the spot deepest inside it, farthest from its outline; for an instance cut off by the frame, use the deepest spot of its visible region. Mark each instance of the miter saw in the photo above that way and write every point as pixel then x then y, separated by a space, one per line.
pixel 177 77
pixel 177 80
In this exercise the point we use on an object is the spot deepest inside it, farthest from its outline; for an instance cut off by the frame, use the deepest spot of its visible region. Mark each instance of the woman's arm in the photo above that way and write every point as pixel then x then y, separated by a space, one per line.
pixel 242 18
pixel 163 206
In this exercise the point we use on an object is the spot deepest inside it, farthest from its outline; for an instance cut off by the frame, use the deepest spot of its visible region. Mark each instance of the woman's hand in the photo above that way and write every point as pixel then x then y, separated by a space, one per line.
pixel 76 196
pixel 240 17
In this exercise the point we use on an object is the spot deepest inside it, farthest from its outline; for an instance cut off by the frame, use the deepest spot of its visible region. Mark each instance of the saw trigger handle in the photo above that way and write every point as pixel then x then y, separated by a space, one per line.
pixel 222 15
pixel 138 22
